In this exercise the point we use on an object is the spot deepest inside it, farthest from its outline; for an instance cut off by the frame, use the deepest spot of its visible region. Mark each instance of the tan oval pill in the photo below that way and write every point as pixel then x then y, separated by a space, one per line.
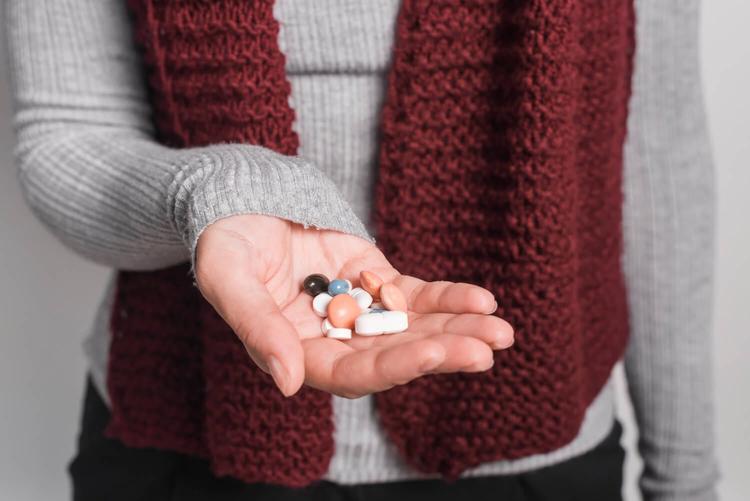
pixel 370 282
pixel 392 297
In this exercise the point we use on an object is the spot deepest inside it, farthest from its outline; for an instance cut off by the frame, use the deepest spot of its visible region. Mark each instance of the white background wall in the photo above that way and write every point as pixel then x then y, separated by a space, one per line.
pixel 726 69
pixel 48 296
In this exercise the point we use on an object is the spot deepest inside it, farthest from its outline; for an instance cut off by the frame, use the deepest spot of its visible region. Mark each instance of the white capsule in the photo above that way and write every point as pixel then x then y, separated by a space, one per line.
pixel 383 322
pixel 363 298
pixel 326 326
pixel 339 333
pixel 320 304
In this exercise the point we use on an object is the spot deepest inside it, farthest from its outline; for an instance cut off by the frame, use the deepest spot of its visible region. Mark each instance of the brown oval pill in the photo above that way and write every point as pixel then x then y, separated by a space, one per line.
pixel 392 297
pixel 370 282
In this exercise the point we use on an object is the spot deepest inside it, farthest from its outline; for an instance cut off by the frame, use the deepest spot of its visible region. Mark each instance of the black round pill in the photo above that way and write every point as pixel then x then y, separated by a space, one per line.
pixel 315 284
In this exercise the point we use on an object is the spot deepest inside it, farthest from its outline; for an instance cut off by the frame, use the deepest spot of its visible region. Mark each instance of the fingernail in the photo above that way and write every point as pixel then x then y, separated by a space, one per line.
pixel 502 343
pixel 430 364
pixel 478 367
pixel 279 374
pixel 494 309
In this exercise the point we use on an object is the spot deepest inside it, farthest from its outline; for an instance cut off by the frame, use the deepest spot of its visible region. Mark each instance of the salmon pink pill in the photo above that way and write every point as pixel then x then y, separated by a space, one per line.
pixel 343 310
pixel 392 297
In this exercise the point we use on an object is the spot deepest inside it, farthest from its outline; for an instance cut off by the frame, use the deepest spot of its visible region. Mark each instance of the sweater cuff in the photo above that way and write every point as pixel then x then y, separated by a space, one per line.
pixel 698 486
pixel 708 495
pixel 233 179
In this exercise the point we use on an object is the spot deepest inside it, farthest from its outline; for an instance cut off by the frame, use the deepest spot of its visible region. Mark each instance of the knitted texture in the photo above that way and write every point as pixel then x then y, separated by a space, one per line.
pixel 178 377
pixel 500 164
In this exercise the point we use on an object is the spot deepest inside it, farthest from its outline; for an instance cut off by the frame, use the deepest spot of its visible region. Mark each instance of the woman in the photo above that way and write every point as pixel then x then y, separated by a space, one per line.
pixel 255 152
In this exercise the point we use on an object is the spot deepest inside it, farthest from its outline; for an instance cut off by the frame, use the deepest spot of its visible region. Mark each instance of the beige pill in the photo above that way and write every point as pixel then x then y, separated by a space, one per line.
pixel 392 297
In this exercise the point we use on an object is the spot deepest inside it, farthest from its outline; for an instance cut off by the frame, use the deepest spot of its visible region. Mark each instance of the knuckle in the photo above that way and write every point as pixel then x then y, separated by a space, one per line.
pixel 246 335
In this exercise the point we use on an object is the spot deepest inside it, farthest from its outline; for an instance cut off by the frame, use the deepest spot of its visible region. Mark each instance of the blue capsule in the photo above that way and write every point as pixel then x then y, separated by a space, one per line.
pixel 338 286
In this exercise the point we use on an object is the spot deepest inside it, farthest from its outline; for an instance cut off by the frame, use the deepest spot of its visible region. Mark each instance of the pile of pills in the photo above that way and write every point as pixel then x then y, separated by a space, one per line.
pixel 344 308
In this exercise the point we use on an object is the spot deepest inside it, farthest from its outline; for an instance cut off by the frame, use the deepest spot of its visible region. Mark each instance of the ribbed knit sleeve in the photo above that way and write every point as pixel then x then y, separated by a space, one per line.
pixel 91 169
pixel 669 220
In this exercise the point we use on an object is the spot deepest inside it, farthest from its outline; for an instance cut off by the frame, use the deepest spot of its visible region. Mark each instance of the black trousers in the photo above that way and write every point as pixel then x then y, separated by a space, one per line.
pixel 106 470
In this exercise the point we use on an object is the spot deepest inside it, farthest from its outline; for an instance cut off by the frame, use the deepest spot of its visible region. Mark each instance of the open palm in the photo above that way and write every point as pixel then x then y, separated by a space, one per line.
pixel 250 268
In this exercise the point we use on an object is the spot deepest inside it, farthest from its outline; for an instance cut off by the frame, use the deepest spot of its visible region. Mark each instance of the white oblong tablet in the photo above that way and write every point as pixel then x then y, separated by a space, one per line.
pixel 339 333
pixel 382 322
pixel 396 321
pixel 326 326
pixel 369 324
pixel 320 304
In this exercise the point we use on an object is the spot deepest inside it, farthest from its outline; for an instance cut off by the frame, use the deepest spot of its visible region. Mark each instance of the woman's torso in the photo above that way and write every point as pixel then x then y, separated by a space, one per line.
pixel 337 57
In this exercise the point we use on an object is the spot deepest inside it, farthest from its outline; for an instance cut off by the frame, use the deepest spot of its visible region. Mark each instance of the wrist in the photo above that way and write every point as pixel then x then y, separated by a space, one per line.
pixel 233 179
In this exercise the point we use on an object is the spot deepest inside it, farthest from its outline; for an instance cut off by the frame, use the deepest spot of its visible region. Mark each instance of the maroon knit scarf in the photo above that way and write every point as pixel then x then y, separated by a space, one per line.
pixel 500 165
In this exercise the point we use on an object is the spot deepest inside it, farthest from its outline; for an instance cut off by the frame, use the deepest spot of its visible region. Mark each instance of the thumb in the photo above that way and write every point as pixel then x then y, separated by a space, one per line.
pixel 269 337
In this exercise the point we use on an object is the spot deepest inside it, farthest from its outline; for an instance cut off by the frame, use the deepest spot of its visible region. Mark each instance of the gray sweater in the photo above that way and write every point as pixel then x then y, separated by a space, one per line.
pixel 93 173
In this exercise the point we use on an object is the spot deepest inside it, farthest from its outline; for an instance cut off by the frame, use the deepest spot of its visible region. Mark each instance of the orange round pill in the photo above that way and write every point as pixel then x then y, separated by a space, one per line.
pixel 343 310
pixel 392 298
pixel 370 282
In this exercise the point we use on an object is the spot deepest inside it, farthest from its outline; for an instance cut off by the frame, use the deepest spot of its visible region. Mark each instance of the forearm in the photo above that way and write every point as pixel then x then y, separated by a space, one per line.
pixel 133 204
pixel 89 165
pixel 96 193
pixel 668 262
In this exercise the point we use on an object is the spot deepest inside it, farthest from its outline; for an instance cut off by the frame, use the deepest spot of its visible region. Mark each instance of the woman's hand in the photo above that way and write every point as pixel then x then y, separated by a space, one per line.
pixel 251 267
